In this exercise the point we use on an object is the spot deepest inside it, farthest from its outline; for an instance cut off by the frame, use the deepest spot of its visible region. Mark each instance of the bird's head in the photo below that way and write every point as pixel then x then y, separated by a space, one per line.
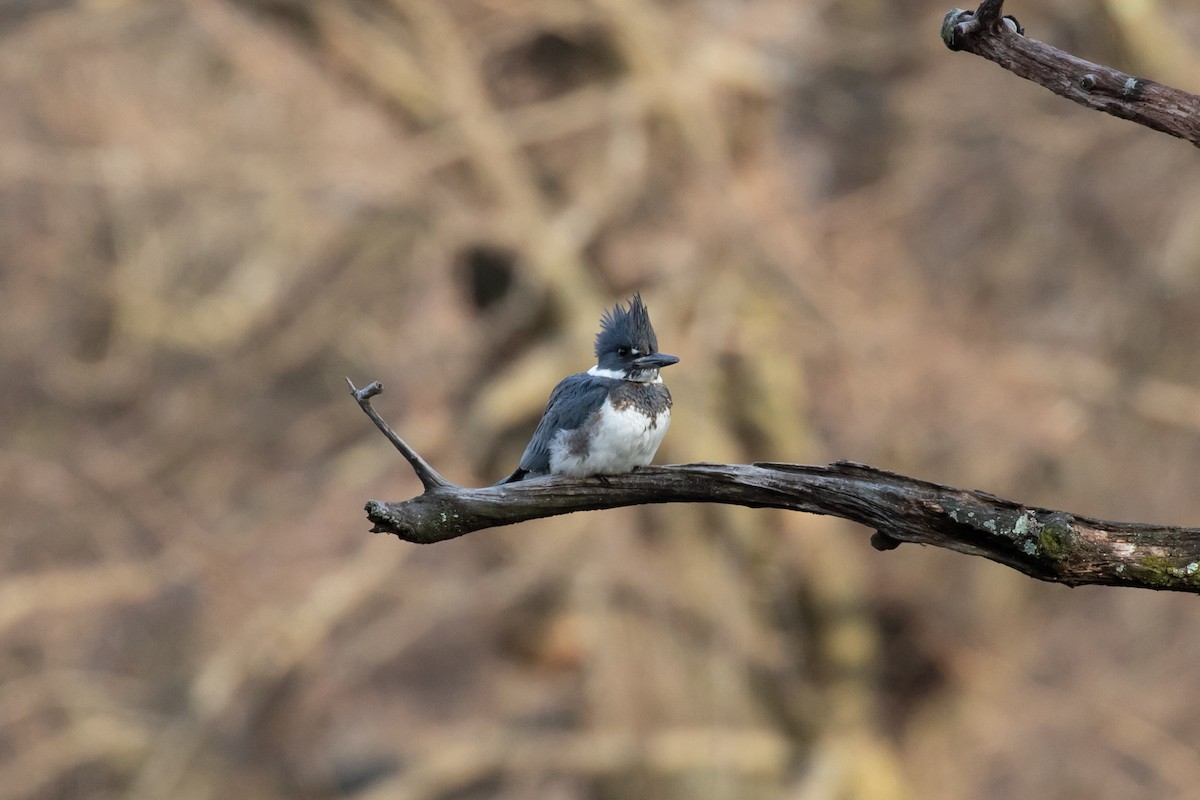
pixel 626 346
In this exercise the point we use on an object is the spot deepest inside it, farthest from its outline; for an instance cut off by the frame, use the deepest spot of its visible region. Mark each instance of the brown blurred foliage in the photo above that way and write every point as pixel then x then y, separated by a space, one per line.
pixel 862 246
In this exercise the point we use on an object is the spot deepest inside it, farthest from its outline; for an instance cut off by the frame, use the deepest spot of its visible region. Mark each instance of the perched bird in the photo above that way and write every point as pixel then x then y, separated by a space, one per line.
pixel 612 418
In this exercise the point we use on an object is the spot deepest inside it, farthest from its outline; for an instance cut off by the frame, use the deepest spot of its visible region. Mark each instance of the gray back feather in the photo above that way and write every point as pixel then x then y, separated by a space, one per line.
pixel 575 399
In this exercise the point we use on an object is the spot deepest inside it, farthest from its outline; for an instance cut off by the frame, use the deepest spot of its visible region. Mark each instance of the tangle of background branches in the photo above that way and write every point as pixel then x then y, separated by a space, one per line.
pixel 863 246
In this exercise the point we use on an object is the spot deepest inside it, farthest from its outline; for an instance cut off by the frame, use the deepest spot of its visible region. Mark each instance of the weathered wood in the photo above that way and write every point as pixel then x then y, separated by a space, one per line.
pixel 1001 40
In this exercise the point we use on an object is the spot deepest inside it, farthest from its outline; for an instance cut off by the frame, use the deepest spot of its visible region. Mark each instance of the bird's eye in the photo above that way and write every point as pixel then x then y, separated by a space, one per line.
pixel 622 351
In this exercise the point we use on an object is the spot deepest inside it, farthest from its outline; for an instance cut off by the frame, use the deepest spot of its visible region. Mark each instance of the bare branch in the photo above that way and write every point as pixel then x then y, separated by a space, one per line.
pixel 1042 543
pixel 1001 39
pixel 429 476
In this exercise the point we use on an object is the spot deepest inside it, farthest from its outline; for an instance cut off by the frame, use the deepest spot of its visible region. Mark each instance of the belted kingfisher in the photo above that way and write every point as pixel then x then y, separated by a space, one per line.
pixel 612 418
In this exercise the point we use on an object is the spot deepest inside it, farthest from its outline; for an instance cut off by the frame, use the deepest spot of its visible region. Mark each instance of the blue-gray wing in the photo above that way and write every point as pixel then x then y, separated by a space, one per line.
pixel 575 399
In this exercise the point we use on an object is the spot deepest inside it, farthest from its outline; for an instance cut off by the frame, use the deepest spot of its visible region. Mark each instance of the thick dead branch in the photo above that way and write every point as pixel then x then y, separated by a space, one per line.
pixel 986 33
pixel 1042 543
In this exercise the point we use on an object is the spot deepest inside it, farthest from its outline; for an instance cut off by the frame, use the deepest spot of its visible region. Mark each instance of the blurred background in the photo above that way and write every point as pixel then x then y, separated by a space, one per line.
pixel 861 245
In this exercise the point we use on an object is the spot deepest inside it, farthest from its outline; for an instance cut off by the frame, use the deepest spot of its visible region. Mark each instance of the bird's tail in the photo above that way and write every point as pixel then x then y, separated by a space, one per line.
pixel 519 474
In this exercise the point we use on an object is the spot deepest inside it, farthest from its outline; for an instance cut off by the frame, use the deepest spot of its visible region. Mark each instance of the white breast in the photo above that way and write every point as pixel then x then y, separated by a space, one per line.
pixel 618 442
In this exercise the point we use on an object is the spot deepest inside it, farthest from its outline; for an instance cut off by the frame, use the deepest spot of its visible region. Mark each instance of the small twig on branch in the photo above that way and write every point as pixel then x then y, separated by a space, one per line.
pixel 1001 39
pixel 429 476
pixel 1042 543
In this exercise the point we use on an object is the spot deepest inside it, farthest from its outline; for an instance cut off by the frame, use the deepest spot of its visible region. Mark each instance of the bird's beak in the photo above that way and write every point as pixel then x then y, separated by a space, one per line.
pixel 655 361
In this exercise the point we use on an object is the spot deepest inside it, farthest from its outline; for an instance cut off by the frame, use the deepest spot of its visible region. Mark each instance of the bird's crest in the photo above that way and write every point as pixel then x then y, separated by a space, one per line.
pixel 626 326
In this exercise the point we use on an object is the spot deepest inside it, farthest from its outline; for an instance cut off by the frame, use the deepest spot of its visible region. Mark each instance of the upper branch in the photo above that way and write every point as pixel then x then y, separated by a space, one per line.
pixel 1000 39
pixel 1043 543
